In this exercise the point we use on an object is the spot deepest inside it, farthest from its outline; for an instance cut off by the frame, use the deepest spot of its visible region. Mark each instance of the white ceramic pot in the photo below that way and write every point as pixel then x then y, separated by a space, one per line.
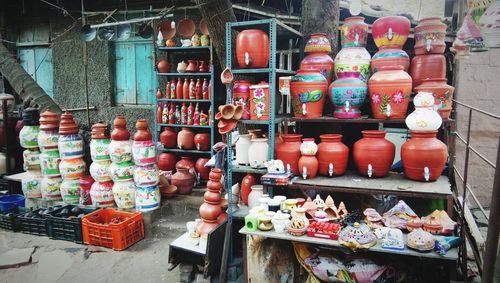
pixel 123 171
pixel 258 152
pixel 31 184
pixel 425 117
pixel 70 191
pixel 49 163
pixel 48 140
pixel 70 146
pixel 124 194
pixel 120 151
pixel 146 175
pixel 51 188
pixel 73 168
pixel 242 145
pixel 99 170
pixel 28 136
pixel 308 147
pixel 147 198
pixel 101 194
pixel 280 222
pixel 144 152
pixel 99 149
pixel 31 159
pixel 256 193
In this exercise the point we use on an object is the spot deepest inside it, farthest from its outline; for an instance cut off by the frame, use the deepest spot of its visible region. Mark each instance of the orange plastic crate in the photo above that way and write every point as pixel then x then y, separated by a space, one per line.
pixel 118 236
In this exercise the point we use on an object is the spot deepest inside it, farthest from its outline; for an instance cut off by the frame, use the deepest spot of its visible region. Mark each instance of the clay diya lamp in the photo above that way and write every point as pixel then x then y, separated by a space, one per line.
pixel 265 223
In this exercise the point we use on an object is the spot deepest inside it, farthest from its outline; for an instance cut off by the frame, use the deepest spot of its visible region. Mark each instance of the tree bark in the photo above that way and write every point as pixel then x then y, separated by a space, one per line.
pixel 23 83
pixel 321 16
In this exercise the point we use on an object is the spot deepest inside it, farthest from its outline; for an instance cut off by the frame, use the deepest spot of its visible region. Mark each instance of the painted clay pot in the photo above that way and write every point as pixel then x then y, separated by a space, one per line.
pixel 241 96
pixel 31 184
pixel 146 175
pixel 147 198
pixel 318 42
pixel 442 92
pixel 120 132
pixel 101 194
pixel 185 162
pixel 258 153
pixel 99 145
pixel 373 154
pixel 289 151
pixel 308 147
pixel 166 161
pixel 252 48
pixel 51 188
pixel 31 159
pixel 241 146
pixel 183 180
pixel 70 191
pixel 424 156
pixel 424 118
pixel 318 48
pixel 67 125
pixel 185 139
pixel 308 89
pixel 122 171
pixel 48 136
pixel 99 170
pixel 85 186
pixel 70 146
pixel 28 136
pixel 353 59
pixel 388 56
pixel 259 101
pixel 332 155
pixel 49 163
pixel 144 152
pixel 202 141
pixel 142 133
pixel 429 36
pixel 168 138
pixel 308 166
pixel 391 31
pixel 353 32
pixel 124 194
pixel 390 90
pixel 120 150
pixel 427 66
pixel 73 168
pixel 348 94
pixel 201 169
pixel 246 185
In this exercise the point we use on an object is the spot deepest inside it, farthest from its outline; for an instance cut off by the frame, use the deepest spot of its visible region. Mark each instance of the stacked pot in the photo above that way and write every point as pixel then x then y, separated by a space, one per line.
pixel 72 166
pixel 428 67
pixel 211 213
pixel 147 194
pixel 48 139
pixel 100 190
pixel 28 137
pixel 308 163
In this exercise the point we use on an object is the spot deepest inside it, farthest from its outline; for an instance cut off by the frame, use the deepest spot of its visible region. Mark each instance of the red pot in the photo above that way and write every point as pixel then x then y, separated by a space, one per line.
pixel 142 133
pixel 246 187
pixel 259 101
pixel 185 162
pixel 391 31
pixel 183 180
pixel 168 138
pixel 354 32
pixel 310 164
pixel 427 66
pixel 163 66
pixel 201 169
pixel 120 132
pixel 49 121
pixel 388 56
pixel 442 92
pixel 241 96
pixel 308 89
pixel 375 152
pixel 318 48
pixel 423 151
pixel 252 48
pixel 67 125
pixel 202 141
pixel 289 151
pixel 429 36
pixel 332 155
pixel 185 139
pixel 390 90
pixel 166 161
pixel 192 66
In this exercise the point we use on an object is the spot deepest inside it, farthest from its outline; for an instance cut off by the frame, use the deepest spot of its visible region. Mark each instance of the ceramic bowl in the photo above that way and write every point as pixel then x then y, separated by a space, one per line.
pixel 168 191
pixel 231 124
pixel 166 29
pixel 186 27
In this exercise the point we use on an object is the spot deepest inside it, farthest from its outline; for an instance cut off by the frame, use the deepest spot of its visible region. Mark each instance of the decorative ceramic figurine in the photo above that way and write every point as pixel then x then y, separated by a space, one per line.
pixel 442 93
pixel 358 236
pixel 205 40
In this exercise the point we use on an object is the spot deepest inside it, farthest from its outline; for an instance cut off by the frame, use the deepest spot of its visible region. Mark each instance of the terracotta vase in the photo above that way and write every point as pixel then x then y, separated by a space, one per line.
pixel 241 96
pixel 201 169
pixel 185 87
pixel 373 154
pixel 289 151
pixel 391 31
pixel 168 138
pixel 442 92
pixel 142 133
pixel 332 155
pixel 211 209
pixel 67 126
pixel 390 90
pixel 85 186
pixel 308 166
pixel 252 48
pixel 318 42
pixel 202 141
pixel 429 36
pixel 185 162
pixel 183 180
pixel 259 101
pixel 192 66
pixel 179 89
pixel 185 139
pixel 388 56
pixel 424 156
pixel 353 32
pixel 353 59
pixel 308 89
pixel 348 94
pixel 246 187
pixel 318 48
pixel 120 132
pixel 427 66
pixel 143 147
pixel 163 66
pixel 166 161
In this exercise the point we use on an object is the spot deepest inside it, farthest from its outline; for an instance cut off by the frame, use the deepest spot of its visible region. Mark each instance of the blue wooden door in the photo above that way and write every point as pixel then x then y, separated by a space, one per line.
pixel 37 61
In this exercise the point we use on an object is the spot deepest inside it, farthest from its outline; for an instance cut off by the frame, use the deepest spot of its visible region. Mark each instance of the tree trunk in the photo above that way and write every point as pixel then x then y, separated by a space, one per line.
pixel 23 83
pixel 321 16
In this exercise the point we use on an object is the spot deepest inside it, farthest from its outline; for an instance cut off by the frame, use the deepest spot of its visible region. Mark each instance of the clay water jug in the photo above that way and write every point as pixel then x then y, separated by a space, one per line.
pixel 120 132
pixel 348 94
pixel 168 138
pixel 246 186
pixel 373 154
pixel 429 36
pixel 442 92
pixel 332 155
pixel 308 89
pixel 241 96
pixel 318 50
pixel 192 66
pixel 185 139
pixel 201 169
pixel 289 151
pixel 391 31
pixel 252 48
pixel 202 141
pixel 183 180
pixel 166 161
pixel 308 163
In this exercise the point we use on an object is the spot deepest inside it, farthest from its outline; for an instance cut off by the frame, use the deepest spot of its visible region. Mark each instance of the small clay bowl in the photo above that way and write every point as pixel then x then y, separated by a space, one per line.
pixel 218 116
pixel 231 124
pixel 168 191
pixel 227 111
pixel 238 112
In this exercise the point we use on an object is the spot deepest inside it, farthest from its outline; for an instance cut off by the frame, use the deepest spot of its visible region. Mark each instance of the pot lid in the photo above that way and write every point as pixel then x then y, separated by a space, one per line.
pixel 31 117
pixel 100 131
pixel 67 126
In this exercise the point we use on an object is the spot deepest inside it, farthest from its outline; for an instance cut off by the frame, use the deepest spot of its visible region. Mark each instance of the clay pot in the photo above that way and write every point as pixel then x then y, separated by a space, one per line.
pixel 120 150
pixel 70 146
pixel 100 131
pixel 427 66
pixel 258 153
pixel 185 162
pixel 142 133
pixel 120 132
pixel 123 171
pixel 51 188
pixel 166 161
pixel 201 169
pixel 181 67
pixel 391 31
pixel 373 154
pixel 192 66
pixel 390 90
pixel 185 139
pixel 308 166
pixel 252 48
pixel 318 42
pixel 67 126
pixel 183 180
pixel 168 138
pixel 147 175
pixel 101 194
pixel 163 66
pixel 72 168
pixel 99 170
pixel 246 187
pixel 429 36
pixel 332 155
pixel 388 56
pixel 202 141
pixel 48 121
pixel 241 147
pixel 424 156
pixel 289 151
pixel 353 32
pixel 259 101
pixel 348 94
pixel 85 186
pixel 124 194
pixel 353 59
pixel 424 118
pixel 442 92
pixel 318 48
pixel 241 96
pixel 308 89
pixel 70 191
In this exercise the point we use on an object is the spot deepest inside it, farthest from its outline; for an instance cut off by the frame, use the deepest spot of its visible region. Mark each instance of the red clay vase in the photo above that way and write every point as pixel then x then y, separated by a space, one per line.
pixel 391 31
pixel 332 155
pixel 252 48
pixel 168 138
pixel 246 187
pixel 179 89
pixel 201 169
pixel 120 132
pixel 185 139
pixel 142 133
pixel 388 56
pixel 241 96
pixel 202 141
pixel 429 36
pixel 289 151
pixel 185 88
pixel 166 161
pixel 163 66
pixel 442 92
pixel 183 180
pixel 48 121
pixel 373 154
pixel 308 166
pixel 318 48
pixel 390 90
pixel 192 66
pixel 308 88
pixel 427 66
pixel 424 156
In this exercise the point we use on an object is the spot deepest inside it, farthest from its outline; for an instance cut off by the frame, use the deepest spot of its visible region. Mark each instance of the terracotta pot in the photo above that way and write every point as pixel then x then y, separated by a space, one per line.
pixel 192 66
pixel 246 186
pixel 259 101
pixel 427 66
pixel 166 161
pixel 353 59
pixel 332 155
pixel 168 138
pixel 183 180
pixel 429 36
pixel 308 89
pixel 320 61
pixel 241 96
pixel 390 90
pixel 424 156
pixel 201 169
pixel 289 151
pixel 252 48
pixel 142 133
pixel 388 56
pixel 49 163
pixel 185 162
pixel 318 42
pixel 120 132
pixel 101 194
pixel 373 154
pixel 85 185
pixel 391 31
pixel 179 89
pixel 348 94
pixel 442 92
pixel 215 173
pixel 48 121
pixel 48 136
pixel 100 131
pixel 202 141
pixel 353 32
pixel 144 152
pixel 185 139
pixel 67 126
pixel 308 166
pixel 70 191
pixel 163 66
pixel 120 151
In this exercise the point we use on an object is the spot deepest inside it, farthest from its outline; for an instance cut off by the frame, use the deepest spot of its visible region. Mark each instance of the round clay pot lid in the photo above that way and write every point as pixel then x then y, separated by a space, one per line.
pixel 186 27
pixel 167 30
pixel 203 27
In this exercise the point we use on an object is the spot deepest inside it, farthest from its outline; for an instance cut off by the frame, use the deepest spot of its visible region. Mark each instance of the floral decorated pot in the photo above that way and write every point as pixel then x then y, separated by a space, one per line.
pixel 308 147
pixel 442 92
pixel 147 198
pixel 427 66
pixel 333 155
pixel 184 180
pixel 122 171
pixel 124 194
pixel 318 48
pixel 373 154
pixel 202 141
pixel 353 32
pixel 146 175
pixel 424 118
pixel 99 149
pixel 73 168
pixel 353 59
pixel 120 150
pixel 252 48
pixel 70 191
pixel 185 139
pixel 391 31
pixel 31 184
pixel 258 152
pixel 259 101
pixel 101 194
pixel 358 236
pixel 241 146
pixel 308 89
pixel 31 159
pixel 168 138
pixel 85 186
pixel 246 185
pixel 289 151
pixel 388 56
pixel 144 152
pixel 51 188
pixel 28 136
pixel 48 139
pixel 390 90
pixel 99 170
pixel 241 96
pixel 348 94
pixel 429 36
pixel 70 146
pixel 49 163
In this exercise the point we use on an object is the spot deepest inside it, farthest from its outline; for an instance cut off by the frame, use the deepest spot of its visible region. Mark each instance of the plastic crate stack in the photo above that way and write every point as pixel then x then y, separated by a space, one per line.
pixel 101 193
pixel 48 139
pixel 28 137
